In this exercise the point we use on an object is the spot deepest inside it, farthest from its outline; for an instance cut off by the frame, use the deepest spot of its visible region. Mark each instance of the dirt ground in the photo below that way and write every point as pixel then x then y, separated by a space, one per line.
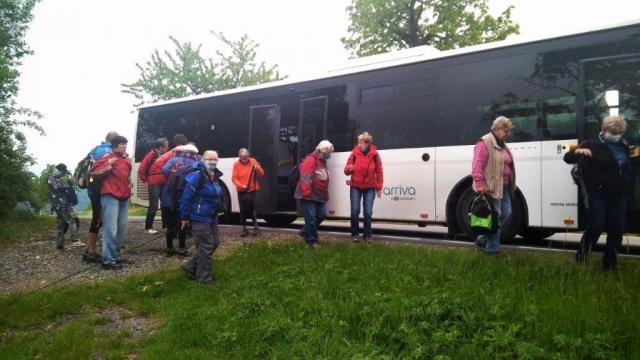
pixel 35 262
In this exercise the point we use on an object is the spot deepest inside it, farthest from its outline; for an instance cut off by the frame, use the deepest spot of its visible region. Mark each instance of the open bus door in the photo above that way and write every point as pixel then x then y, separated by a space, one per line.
pixel 264 129
pixel 611 86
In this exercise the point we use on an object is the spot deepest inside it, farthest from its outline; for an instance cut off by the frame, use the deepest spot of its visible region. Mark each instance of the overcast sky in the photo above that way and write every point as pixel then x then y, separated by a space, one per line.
pixel 84 50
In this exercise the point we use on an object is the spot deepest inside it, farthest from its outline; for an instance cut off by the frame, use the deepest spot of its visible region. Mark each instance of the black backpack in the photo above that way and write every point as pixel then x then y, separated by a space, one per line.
pixel 176 183
pixel 82 173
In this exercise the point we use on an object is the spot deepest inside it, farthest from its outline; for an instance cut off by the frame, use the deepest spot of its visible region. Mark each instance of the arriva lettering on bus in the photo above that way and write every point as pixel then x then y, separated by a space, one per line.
pixel 399 190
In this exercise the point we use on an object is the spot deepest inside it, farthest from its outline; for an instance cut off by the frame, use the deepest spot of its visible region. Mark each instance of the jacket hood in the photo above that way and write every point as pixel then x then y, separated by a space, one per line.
pixel 372 151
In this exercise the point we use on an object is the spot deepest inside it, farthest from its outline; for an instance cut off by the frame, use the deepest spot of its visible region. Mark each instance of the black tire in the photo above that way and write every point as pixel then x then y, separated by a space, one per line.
pixel 512 226
pixel 280 219
pixel 536 234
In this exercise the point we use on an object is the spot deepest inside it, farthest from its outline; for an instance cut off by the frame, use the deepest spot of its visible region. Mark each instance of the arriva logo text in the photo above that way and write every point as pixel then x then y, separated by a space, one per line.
pixel 400 192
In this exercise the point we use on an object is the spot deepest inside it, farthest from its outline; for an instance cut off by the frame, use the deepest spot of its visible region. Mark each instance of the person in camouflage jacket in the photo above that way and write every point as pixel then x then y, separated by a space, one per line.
pixel 63 198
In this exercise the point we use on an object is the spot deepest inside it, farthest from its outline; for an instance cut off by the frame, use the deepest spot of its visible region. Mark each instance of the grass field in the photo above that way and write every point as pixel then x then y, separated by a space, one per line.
pixel 21 225
pixel 343 301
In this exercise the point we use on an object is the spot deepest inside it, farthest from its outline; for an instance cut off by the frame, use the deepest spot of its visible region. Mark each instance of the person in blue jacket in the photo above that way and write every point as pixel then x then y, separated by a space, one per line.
pixel 199 205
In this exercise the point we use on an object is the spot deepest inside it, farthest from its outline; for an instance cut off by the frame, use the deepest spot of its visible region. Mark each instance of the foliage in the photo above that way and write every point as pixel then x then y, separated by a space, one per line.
pixel 19 225
pixel 187 72
pixel 344 301
pixel 40 197
pixel 15 179
pixel 378 26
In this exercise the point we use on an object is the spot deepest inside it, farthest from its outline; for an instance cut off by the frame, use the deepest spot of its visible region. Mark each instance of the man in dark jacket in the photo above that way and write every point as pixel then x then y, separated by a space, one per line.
pixel 199 205
pixel 313 190
pixel 63 198
pixel 115 170
pixel 155 180
pixel 604 167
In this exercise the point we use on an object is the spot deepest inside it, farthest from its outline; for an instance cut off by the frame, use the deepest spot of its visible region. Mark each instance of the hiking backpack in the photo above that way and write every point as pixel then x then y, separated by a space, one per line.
pixel 483 218
pixel 176 183
pixel 82 173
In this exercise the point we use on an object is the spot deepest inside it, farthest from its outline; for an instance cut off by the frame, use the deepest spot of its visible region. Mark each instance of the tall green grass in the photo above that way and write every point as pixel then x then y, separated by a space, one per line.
pixel 20 224
pixel 346 301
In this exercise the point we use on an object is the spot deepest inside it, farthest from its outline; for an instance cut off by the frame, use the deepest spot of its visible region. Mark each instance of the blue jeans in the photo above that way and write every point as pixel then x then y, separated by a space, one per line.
pixel 366 196
pixel 114 227
pixel 605 213
pixel 314 213
pixel 503 208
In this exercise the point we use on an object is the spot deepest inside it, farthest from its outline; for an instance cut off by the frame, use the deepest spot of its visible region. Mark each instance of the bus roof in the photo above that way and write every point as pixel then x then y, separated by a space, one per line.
pixel 392 59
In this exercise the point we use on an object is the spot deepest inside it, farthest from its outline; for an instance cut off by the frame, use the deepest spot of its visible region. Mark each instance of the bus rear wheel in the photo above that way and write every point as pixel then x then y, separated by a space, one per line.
pixel 512 226
pixel 280 219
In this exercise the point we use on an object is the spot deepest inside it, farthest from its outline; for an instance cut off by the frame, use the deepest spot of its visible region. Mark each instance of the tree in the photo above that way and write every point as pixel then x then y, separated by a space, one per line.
pixel 186 72
pixel 15 179
pixel 379 26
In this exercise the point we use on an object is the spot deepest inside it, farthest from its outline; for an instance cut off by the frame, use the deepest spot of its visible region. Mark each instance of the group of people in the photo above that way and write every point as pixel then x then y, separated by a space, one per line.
pixel 187 188
pixel 606 178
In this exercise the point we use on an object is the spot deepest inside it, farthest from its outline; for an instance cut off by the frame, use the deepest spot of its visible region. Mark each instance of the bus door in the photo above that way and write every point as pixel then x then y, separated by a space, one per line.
pixel 313 124
pixel 611 86
pixel 264 127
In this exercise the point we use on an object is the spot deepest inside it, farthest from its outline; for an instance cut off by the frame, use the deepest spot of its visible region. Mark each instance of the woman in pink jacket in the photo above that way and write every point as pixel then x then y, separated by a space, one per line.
pixel 494 174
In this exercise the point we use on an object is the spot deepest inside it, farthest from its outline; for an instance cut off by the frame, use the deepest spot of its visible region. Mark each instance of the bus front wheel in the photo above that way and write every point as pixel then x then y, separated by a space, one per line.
pixel 512 226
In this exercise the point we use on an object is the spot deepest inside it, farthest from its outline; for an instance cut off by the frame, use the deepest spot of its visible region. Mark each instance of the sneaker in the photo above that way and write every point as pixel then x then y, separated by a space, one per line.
pixel 111 266
pixel 244 232
pixel 367 239
pixel 182 252
pixel 189 274
pixel 77 243
pixel 255 232
pixel 125 261
pixel 151 231
pixel 355 238
pixel 303 235
pixel 170 252
pixel 314 245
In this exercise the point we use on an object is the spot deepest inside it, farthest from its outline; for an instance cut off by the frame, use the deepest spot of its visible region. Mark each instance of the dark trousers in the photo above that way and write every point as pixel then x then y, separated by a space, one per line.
pixel 96 213
pixel 314 214
pixel 207 241
pixel 174 224
pixel 247 201
pixel 154 198
pixel 606 213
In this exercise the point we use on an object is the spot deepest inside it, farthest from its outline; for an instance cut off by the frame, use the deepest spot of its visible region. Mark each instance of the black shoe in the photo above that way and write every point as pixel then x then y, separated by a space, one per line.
pixel 111 266
pixel 244 232
pixel 303 235
pixel 170 252
pixel 91 257
pixel 125 261
pixel 182 252
pixel 367 239
pixel 255 232
pixel 189 274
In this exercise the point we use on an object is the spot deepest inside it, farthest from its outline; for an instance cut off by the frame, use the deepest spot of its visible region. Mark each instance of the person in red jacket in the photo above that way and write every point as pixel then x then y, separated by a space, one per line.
pixel 114 170
pixel 155 180
pixel 245 177
pixel 313 190
pixel 365 167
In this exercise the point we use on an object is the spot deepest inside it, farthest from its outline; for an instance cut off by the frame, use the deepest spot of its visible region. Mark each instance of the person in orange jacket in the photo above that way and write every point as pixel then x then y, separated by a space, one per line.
pixel 245 177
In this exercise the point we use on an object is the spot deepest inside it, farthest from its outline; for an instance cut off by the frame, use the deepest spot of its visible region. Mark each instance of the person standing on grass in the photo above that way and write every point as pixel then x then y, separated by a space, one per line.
pixel 63 199
pixel 114 169
pixel 155 180
pixel 93 190
pixel 199 205
pixel 365 167
pixel 313 190
pixel 245 177
pixel 187 156
pixel 494 174
pixel 604 165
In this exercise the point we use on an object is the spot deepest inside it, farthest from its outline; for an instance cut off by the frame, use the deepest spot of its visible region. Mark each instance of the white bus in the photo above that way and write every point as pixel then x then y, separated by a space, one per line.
pixel 425 109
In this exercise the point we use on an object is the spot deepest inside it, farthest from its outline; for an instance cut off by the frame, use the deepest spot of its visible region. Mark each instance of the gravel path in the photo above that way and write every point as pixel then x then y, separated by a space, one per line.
pixel 35 262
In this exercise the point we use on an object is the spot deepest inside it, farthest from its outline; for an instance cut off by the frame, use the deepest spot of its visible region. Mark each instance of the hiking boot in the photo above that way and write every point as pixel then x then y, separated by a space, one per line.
pixel 151 231
pixel 170 252
pixel 182 252
pixel 91 257
pixel 355 238
pixel 111 266
pixel 77 243
pixel 244 232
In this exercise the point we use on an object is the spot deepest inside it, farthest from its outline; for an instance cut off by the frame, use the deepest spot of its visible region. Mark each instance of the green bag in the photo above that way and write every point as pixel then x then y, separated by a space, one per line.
pixel 482 217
